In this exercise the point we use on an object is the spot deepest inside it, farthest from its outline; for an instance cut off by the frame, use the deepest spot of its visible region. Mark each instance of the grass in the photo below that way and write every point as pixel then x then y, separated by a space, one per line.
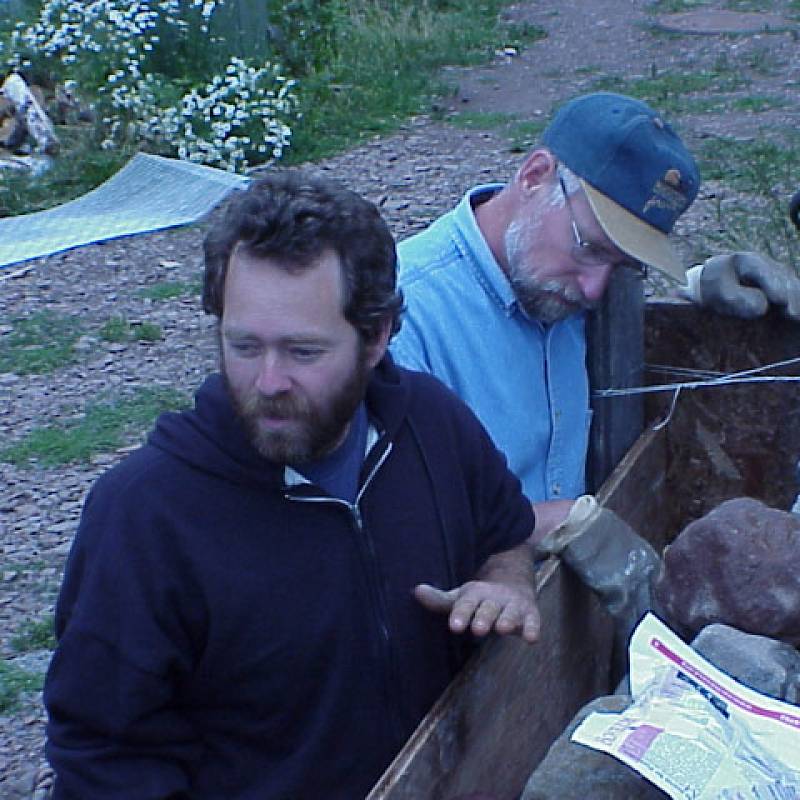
pixel 524 135
pixel 147 332
pixel 35 635
pixel 169 290
pixel 103 428
pixel 382 65
pixel 481 120
pixel 761 173
pixel 747 5
pixel 14 683
pixel 39 343
pixel 521 135
pixel 37 565
pixel 757 104
pixel 753 165
pixel 46 340
pixel 520 34
pixel 589 69
pixel 118 329
pixel 667 91
pixel 674 6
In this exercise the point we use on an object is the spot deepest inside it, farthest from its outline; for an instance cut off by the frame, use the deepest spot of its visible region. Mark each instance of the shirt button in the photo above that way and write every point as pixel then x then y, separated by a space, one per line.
pixel 556 488
pixel 557 414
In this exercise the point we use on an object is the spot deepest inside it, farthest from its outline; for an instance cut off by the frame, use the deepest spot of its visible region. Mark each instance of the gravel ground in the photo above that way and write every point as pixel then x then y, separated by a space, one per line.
pixel 414 175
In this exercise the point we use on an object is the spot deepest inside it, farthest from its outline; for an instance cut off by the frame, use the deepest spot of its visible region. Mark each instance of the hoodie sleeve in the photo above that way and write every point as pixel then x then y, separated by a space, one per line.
pixel 116 728
pixel 504 516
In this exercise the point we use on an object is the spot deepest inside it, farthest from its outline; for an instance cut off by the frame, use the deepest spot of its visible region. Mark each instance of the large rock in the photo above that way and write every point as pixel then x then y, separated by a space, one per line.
pixel 766 665
pixel 738 565
pixel 573 771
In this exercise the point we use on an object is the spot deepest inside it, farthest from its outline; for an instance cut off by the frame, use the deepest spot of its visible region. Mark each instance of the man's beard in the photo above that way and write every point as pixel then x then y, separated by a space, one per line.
pixel 546 300
pixel 317 428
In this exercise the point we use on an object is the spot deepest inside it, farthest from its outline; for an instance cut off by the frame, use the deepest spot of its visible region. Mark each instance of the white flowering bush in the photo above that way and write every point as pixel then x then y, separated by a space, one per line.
pixel 160 78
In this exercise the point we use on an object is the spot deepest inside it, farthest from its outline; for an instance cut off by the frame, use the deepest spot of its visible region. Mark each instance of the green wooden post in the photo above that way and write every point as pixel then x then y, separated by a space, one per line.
pixel 244 25
pixel 615 359
pixel 14 10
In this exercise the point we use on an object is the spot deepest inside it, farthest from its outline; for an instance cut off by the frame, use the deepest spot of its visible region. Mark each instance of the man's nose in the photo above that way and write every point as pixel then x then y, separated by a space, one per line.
pixel 594 282
pixel 273 377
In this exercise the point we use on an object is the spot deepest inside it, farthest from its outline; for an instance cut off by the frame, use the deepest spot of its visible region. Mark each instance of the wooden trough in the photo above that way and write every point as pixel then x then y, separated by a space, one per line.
pixel 496 721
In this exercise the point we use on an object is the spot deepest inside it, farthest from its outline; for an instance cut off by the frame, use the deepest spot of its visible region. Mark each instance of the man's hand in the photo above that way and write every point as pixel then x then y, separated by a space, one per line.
pixel 549 515
pixel 501 598
pixel 744 285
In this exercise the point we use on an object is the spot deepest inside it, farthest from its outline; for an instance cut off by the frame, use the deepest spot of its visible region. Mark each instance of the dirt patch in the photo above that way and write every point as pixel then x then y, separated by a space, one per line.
pixel 713 22
pixel 414 175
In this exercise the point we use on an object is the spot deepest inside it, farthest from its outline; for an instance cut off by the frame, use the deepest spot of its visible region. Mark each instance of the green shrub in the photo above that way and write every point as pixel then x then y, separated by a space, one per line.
pixel 193 79
pixel 157 74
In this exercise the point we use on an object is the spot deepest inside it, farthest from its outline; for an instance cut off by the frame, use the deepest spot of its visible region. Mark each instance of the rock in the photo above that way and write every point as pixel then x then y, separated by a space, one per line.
pixel 476 796
pixel 763 664
pixel 573 771
pixel 738 565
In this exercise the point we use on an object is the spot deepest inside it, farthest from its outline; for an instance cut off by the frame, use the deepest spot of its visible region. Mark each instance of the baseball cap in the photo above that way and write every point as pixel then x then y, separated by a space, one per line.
pixel 637 173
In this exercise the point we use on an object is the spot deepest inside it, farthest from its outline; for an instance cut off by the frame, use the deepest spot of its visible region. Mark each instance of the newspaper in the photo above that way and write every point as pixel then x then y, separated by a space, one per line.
pixel 694 731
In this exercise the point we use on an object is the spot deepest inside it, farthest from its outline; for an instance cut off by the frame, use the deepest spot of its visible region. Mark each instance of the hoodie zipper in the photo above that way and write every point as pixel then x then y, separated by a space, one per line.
pixel 367 545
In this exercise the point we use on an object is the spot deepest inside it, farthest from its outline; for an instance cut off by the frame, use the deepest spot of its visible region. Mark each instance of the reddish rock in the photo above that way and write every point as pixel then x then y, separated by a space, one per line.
pixel 738 565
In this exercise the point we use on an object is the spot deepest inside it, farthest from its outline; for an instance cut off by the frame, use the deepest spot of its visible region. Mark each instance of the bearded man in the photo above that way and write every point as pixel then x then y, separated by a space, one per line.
pixel 497 289
pixel 246 610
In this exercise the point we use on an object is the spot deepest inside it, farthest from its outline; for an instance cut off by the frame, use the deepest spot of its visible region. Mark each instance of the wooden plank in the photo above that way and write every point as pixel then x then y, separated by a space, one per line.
pixel 725 442
pixel 500 715
pixel 636 489
pixel 497 719
pixel 493 724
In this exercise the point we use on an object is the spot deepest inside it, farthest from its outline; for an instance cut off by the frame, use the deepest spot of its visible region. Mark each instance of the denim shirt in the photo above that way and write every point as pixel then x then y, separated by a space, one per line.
pixel 525 381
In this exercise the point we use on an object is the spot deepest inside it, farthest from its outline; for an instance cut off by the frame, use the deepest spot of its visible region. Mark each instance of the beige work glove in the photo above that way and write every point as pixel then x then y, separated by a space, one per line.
pixel 743 285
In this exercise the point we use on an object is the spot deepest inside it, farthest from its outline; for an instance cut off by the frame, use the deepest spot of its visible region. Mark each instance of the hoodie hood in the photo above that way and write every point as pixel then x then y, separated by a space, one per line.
pixel 210 437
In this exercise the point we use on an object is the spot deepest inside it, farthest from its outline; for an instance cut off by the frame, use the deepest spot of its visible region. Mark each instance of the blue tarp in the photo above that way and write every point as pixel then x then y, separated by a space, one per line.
pixel 149 193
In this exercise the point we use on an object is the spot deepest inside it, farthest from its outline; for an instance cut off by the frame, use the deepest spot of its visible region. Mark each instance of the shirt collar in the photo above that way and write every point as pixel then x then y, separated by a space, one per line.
pixel 482 262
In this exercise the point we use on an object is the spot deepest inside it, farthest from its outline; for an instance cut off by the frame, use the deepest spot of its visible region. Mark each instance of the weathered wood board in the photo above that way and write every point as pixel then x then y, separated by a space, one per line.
pixel 724 442
pixel 496 721
pixel 498 718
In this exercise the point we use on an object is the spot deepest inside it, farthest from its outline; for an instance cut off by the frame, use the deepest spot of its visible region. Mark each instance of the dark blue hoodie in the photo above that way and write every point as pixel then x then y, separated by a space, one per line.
pixel 223 635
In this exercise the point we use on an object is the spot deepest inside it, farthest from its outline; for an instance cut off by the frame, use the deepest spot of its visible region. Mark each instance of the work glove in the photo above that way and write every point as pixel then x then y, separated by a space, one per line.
pixel 743 285
pixel 611 559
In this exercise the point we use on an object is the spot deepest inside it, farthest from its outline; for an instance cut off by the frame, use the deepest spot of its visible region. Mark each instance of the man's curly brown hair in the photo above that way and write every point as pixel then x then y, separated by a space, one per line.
pixel 293 218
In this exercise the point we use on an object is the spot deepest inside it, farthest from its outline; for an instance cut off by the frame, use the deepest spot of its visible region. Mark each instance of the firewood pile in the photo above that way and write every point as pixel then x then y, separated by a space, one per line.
pixel 28 138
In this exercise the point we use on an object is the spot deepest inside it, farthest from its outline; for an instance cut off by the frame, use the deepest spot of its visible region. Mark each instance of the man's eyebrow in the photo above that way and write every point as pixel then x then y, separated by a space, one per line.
pixel 298 338
pixel 310 339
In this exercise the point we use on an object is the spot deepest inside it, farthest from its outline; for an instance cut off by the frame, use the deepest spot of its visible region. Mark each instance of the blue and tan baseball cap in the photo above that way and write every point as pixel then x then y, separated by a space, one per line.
pixel 637 173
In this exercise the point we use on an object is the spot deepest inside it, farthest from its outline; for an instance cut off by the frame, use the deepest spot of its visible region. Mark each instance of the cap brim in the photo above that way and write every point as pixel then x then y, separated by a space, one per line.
pixel 633 236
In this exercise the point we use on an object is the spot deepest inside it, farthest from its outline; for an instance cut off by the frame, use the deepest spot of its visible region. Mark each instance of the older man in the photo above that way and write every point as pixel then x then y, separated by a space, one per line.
pixel 496 289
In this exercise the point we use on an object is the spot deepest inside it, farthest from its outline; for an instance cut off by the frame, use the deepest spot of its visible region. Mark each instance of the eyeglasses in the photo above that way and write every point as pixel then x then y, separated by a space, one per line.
pixel 590 254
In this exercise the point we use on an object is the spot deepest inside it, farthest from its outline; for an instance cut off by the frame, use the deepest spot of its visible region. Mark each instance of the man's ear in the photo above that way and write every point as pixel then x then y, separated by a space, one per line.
pixel 538 169
pixel 376 348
